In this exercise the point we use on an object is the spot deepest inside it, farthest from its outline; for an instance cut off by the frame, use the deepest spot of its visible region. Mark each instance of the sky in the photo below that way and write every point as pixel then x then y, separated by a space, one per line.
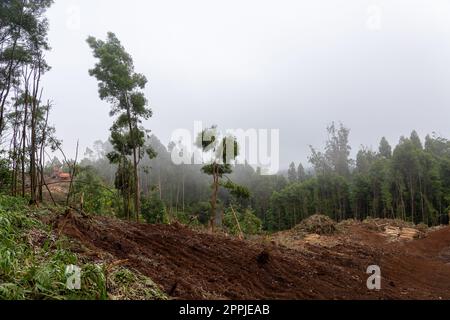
pixel 380 67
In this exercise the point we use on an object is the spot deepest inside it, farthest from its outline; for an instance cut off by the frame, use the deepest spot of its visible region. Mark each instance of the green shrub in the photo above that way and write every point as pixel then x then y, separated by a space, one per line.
pixel 5 176
pixel 201 210
pixel 153 210
pixel 249 222
pixel 97 197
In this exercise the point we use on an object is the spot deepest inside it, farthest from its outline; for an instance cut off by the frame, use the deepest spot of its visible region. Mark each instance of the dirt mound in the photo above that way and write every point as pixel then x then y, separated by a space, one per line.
pixel 192 265
pixel 317 224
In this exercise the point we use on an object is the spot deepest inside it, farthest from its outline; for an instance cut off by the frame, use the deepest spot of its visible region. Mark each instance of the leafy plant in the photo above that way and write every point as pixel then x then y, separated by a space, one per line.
pixel 154 210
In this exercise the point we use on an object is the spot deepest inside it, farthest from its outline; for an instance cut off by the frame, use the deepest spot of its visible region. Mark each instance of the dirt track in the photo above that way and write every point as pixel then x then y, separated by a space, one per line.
pixel 191 265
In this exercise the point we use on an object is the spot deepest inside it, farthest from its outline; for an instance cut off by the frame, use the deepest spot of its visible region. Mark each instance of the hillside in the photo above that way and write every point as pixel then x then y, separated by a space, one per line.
pixel 188 264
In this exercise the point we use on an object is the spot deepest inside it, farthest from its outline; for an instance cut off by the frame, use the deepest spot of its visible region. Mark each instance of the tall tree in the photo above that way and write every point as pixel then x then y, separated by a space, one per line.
pixel 338 149
pixel 385 149
pixel 23 37
pixel 223 154
pixel 301 173
pixel 121 86
pixel 23 42
pixel 292 173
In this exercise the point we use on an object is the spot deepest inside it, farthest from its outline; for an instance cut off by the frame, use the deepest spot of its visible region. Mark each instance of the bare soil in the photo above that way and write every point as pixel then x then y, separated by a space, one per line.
pixel 188 264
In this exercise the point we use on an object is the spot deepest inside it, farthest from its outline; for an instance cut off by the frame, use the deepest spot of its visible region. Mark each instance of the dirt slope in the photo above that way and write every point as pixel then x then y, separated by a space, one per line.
pixel 191 265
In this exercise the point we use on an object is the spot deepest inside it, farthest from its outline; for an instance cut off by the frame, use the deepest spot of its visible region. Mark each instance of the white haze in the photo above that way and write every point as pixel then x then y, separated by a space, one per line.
pixel 380 67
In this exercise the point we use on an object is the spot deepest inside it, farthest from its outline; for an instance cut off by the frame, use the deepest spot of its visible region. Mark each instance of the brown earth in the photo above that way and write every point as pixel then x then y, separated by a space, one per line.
pixel 188 264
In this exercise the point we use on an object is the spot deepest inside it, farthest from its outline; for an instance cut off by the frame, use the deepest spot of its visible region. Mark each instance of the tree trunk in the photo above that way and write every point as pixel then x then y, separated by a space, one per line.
pixel 41 155
pixel 184 180
pixel 214 196
pixel 412 197
pixel 24 140
pixel 137 196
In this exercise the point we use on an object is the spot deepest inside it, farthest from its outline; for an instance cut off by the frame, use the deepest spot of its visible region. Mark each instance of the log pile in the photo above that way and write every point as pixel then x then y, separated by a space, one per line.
pixel 393 232
pixel 409 234
pixel 406 234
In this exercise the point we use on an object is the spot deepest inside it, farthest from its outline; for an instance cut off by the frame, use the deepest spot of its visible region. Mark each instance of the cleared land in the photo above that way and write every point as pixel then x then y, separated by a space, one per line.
pixel 187 264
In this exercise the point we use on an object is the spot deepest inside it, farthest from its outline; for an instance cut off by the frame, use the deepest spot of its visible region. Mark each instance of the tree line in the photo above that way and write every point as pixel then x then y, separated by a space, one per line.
pixel 25 133
pixel 409 182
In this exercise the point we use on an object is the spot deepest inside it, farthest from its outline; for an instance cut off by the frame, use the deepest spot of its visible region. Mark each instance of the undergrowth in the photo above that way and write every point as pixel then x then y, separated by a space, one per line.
pixel 33 263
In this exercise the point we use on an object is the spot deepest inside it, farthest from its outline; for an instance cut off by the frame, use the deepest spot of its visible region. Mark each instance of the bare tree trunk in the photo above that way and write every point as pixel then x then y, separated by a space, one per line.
pixel 411 188
pixel 160 185
pixel 46 186
pixel 72 175
pixel 214 195
pixel 184 180
pixel 402 201
pixel 137 201
pixel 42 152
pixel 137 196
pixel 33 151
pixel 422 201
pixel 24 138
pixel 15 154
pixel 241 234
pixel 178 197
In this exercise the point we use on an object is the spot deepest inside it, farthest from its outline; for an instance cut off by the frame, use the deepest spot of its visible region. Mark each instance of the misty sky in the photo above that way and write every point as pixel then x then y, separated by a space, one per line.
pixel 380 67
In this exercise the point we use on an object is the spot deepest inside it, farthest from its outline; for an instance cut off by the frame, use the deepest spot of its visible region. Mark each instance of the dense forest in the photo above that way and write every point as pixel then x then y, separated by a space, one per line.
pixel 131 176
pixel 410 181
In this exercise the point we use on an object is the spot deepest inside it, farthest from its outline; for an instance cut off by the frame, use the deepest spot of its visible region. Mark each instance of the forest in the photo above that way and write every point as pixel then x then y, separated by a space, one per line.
pixel 131 177
pixel 409 181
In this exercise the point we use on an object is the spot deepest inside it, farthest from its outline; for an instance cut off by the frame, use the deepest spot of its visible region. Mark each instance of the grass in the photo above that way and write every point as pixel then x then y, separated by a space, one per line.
pixel 33 264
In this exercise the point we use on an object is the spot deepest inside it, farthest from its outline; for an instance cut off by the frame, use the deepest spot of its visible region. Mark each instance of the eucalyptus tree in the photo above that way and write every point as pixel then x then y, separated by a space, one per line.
pixel 23 43
pixel 23 38
pixel 122 87
pixel 223 153
pixel 385 149
pixel 301 173
pixel 292 173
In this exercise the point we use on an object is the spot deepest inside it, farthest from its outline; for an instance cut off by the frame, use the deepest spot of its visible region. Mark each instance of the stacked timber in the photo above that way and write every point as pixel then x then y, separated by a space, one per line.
pixel 393 232
pixel 409 234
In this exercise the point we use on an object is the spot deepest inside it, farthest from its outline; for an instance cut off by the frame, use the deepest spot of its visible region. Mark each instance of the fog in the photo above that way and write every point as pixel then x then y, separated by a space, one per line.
pixel 380 67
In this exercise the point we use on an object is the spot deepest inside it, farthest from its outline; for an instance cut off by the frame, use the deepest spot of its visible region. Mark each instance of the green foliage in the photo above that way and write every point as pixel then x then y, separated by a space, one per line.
pixel 292 173
pixel 411 183
pixel 29 270
pixel 5 176
pixel 224 151
pixel 249 222
pixel 385 149
pixel 201 210
pixel 33 264
pixel 239 192
pixel 121 86
pixel 301 173
pixel 98 198
pixel 154 210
